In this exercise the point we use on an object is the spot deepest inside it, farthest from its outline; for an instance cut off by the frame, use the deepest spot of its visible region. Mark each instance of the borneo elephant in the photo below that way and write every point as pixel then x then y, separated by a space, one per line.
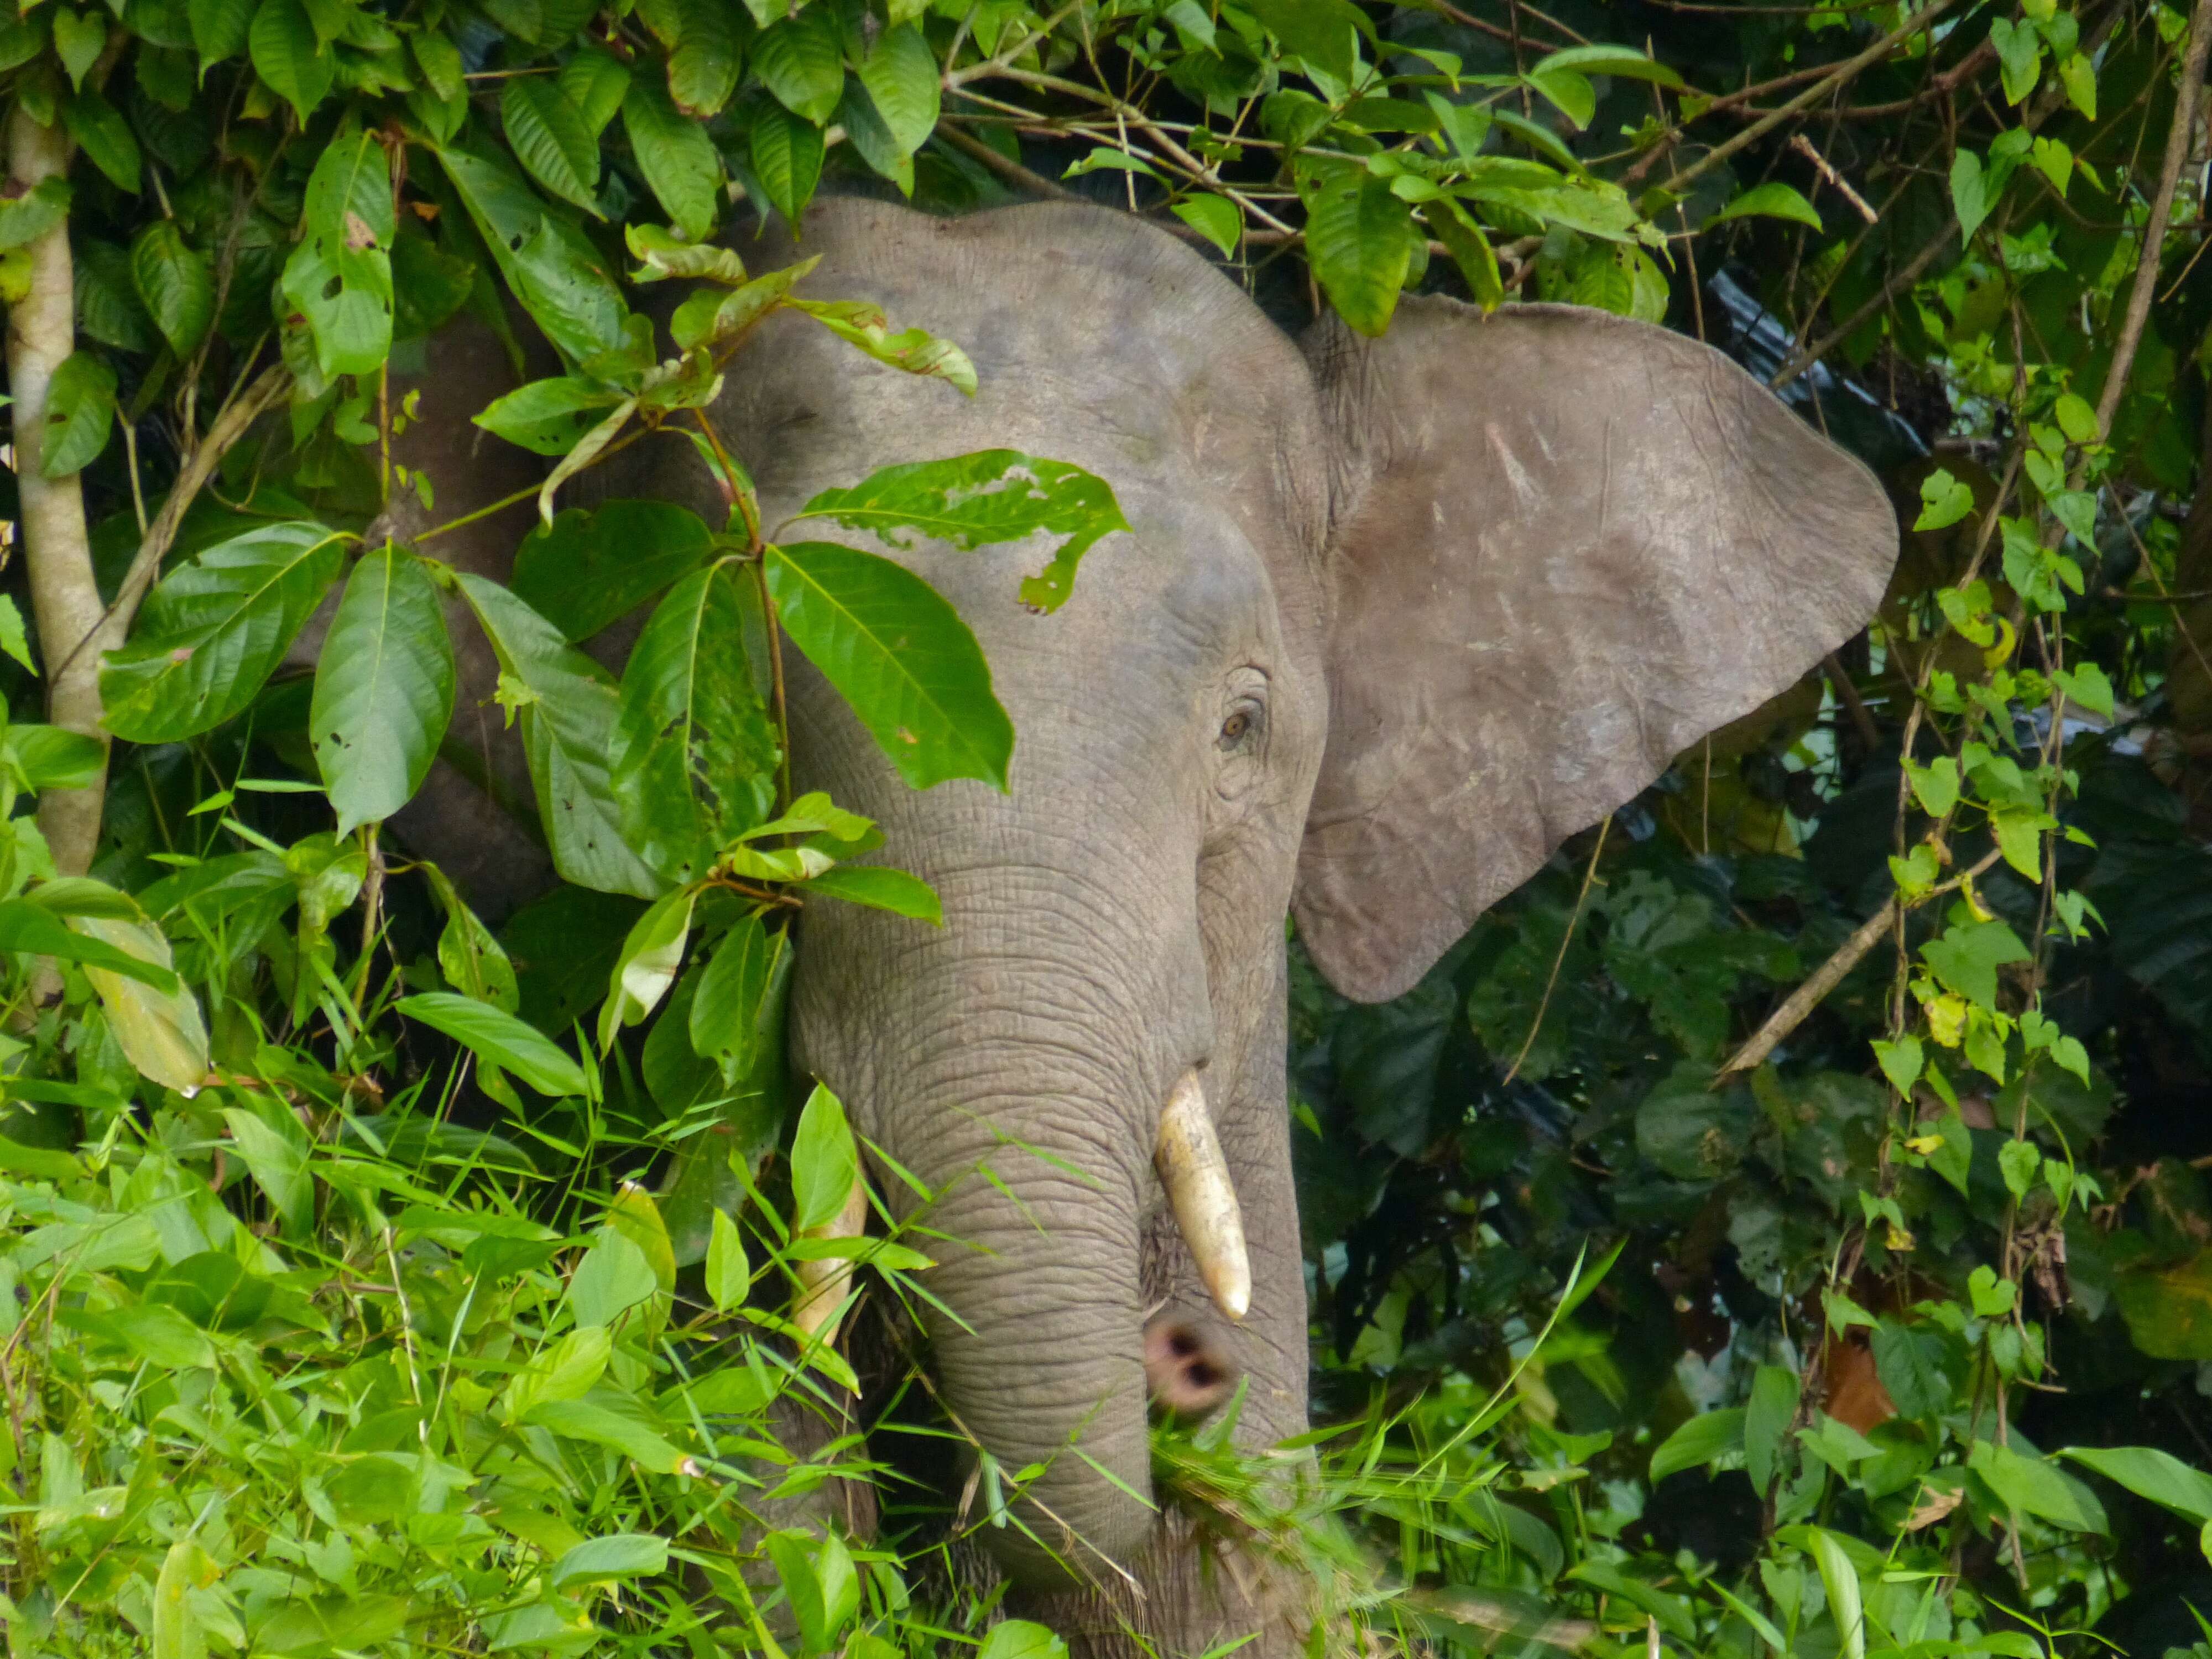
pixel 1394 618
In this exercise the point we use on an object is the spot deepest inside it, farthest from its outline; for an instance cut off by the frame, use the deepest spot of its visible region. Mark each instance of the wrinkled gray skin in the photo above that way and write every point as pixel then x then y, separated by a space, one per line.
pixel 1470 586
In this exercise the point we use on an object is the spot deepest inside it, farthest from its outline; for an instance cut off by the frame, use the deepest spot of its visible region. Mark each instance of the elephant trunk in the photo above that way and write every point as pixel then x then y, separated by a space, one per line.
pixel 1027 1090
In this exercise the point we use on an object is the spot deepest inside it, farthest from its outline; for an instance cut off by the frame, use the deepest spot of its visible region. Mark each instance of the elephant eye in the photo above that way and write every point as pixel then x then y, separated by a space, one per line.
pixel 1235 726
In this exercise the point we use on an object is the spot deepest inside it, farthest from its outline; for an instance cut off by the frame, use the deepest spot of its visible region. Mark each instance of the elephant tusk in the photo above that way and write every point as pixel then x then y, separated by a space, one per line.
pixel 822 1281
pixel 1204 1199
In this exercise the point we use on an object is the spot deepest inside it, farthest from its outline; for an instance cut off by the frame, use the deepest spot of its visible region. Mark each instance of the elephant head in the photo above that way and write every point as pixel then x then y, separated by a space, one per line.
pixel 1394 618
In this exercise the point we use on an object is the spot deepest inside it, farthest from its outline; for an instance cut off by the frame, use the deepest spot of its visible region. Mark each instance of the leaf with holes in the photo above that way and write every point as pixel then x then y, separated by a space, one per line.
pixel 80 409
pixel 339 277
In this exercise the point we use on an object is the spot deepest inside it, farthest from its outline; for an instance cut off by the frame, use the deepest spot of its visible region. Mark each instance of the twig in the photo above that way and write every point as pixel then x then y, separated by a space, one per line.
pixel 1803 146
pixel 1544 1003
pixel 2179 139
pixel 1809 996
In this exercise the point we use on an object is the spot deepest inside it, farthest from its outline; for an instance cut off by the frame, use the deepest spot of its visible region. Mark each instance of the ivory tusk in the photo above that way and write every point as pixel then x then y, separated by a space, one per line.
pixel 1204 1199
pixel 822 1282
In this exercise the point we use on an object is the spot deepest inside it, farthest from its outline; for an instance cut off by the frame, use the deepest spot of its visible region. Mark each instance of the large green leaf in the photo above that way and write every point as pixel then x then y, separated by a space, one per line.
pixel 900 655
pixel 550 266
pixel 676 157
pixel 695 754
pixel 339 277
pixel 498 1037
pixel 549 415
pixel 550 137
pixel 802 61
pixel 2149 1472
pixel 567 724
pixel 219 27
pixel 786 157
pixel 384 688
pixel 1360 240
pixel 214 629
pixel 901 76
pixel 702 70
pixel 287 56
pixel 80 411
pixel 175 281
pixel 158 1025
pixel 987 497
pixel 105 137
pixel 2035 1485
pixel 1320 31
pixel 587 570
pixel 541 22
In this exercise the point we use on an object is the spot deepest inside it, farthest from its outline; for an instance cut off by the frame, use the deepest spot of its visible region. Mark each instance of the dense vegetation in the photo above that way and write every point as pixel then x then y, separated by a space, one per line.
pixel 1781 1226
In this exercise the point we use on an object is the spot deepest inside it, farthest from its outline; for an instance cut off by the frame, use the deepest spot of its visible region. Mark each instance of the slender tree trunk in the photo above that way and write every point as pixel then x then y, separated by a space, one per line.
pixel 73 629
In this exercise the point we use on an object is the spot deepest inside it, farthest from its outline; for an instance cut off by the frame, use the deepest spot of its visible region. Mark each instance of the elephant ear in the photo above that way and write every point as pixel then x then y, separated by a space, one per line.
pixel 1564 548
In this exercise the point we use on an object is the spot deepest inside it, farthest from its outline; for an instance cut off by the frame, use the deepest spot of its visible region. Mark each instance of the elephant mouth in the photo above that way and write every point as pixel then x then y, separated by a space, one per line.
pixel 1188 1155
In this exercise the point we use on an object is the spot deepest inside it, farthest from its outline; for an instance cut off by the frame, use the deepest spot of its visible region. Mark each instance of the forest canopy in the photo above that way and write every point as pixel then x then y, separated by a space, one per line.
pixel 1780 1227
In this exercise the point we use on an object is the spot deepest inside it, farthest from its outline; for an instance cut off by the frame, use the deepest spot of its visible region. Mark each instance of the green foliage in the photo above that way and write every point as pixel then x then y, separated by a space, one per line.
pixel 300 1359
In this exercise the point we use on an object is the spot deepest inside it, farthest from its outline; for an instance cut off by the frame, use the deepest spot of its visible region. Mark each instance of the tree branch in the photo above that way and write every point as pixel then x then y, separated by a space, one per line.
pixel 57 547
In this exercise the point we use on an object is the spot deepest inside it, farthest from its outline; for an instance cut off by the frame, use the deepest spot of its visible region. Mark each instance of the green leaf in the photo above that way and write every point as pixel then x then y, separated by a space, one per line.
pixel 288 57
pixel 2020 57
pixel 274 1149
pixel 1571 94
pixel 15 639
pixel 618 1555
pixel 1934 786
pixel 214 629
pixel 646 967
pixel 499 1038
pixel 2079 74
pixel 1019 1638
pixel 1911 1361
pixel 176 283
pixel 725 1015
pixel 31 214
pixel 586 1420
pixel 567 730
pixel 339 277
pixel 585 571
pixel 552 139
pixel 823 1163
pixel 596 82
pixel 154 1019
pixel 48 758
pixel 2161 1476
pixel 1841 1580
pixel 470 956
pixel 80 409
pixel 1470 251
pixel 567 1369
pixel 786 158
pixel 105 137
pixel 801 60
pixel 1621 62
pixel 914 350
pixel 177 1632
pixel 1217 218
pixel 1773 1403
pixel 1360 240
pixel 30 929
pixel 441 63
pixel 1901 1062
pixel 1973 192
pixel 1320 32
pixel 899 654
pixel 2169 1309
pixel 2035 1485
pixel 1967 958
pixel 975 499
pixel 1698 1443
pixel 1773 200
pixel 676 157
pixel 695 755
pixel 549 416
pixel 550 265
pixel 384 689
pixel 728 1274
pixel 1944 501
pixel 79 38
pixel 902 77
pixel 880 889
pixel 702 70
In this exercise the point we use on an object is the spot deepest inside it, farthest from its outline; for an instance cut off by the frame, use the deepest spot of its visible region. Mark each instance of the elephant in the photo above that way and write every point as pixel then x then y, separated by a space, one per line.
pixel 1395 618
